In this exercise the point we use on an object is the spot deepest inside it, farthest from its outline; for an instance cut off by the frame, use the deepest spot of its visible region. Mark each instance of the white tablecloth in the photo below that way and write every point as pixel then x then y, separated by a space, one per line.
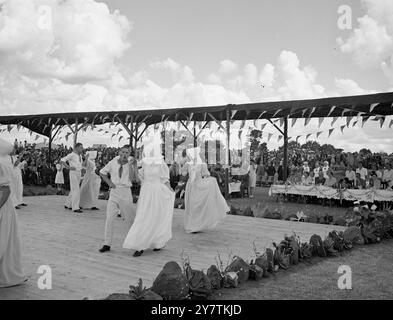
pixel 234 187
pixel 365 195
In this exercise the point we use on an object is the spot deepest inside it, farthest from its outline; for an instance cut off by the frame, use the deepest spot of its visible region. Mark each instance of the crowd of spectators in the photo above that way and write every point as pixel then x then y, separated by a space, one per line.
pixel 338 169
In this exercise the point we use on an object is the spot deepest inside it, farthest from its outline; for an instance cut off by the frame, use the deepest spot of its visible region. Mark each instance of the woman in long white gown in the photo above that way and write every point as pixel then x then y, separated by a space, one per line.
pixel 90 188
pixel 11 273
pixel 152 227
pixel 205 205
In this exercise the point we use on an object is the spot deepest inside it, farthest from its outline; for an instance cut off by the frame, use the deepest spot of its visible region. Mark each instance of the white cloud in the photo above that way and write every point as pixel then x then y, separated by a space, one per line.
pixel 227 66
pixel 75 41
pixel 371 43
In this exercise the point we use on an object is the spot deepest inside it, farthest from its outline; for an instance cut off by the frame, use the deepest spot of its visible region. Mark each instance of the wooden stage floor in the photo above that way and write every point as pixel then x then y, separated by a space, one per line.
pixel 69 244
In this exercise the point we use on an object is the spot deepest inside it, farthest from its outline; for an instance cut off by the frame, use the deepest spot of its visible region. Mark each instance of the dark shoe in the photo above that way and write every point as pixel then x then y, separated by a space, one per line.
pixel 156 249
pixel 138 253
pixel 119 215
pixel 24 205
pixel 95 208
pixel 65 207
pixel 17 207
pixel 78 211
pixel 105 248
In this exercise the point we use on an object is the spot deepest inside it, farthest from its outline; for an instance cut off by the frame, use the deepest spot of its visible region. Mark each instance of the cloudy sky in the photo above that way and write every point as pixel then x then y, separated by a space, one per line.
pixel 78 55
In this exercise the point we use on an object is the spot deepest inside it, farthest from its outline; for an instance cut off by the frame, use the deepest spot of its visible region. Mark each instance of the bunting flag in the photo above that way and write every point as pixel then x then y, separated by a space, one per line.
pixel 372 107
pixel 36 137
pixel 297 138
pixel 263 112
pixel 30 132
pixel 293 121
pixel 330 132
pixel 233 112
pixel 391 124
pixel 348 121
pixel 263 126
pixel 342 129
pixel 277 112
pixel 364 119
pixel 120 138
pixel 303 112
pixel 9 127
pixel 382 121
pixel 281 122
pixel 307 136
pixel 120 130
pixel 18 126
pixel 334 121
pixel 279 138
pixel 312 111
pixel 331 110
pixel 269 136
pixel 306 121
pixel 318 134
pixel 355 123
pixel 242 124
pixel 320 121
pixel 67 135
pixel 239 134
pixel 345 111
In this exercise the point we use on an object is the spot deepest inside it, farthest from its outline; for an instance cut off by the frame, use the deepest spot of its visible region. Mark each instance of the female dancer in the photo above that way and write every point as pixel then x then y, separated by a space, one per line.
pixel 59 179
pixel 152 227
pixel 205 205
pixel 11 273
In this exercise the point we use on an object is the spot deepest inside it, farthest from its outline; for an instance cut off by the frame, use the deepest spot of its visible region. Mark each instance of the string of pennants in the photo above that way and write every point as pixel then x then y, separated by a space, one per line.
pixel 362 117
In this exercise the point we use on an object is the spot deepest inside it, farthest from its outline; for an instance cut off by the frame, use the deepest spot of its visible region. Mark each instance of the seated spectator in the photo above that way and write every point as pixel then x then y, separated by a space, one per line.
pixel 320 180
pixel 306 179
pixel 350 176
pixel 363 175
pixel 331 181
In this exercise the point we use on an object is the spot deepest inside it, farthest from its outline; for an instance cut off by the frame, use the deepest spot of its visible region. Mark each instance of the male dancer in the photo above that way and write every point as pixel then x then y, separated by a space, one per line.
pixel 75 166
pixel 122 172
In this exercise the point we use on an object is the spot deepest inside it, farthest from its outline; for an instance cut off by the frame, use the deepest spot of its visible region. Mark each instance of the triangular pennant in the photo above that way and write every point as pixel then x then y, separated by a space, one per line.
pixel 263 126
pixel 233 112
pixel 342 129
pixel 281 122
pixel 306 121
pixel 364 119
pixel 334 121
pixel 354 124
pixel 307 136
pixel 331 110
pixel 293 121
pixel 330 132
pixel 349 121
pixel 318 134
pixel 279 138
pixel 277 112
pixel 382 121
pixel 320 121
pixel 263 112
pixel 390 124
pixel 297 138
pixel 372 107
pixel 312 111
pixel 269 136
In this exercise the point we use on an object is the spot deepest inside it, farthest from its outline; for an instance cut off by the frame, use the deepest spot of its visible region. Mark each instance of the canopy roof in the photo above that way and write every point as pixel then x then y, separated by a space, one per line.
pixel 380 104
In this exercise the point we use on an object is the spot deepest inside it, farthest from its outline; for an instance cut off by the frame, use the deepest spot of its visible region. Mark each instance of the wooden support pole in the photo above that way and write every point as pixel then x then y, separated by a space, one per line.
pixel 195 135
pixel 50 145
pixel 75 133
pixel 136 137
pixel 131 130
pixel 285 162
pixel 227 170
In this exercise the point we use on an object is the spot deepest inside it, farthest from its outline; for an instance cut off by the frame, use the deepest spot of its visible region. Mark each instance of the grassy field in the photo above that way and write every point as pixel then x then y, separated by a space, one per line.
pixel 372 278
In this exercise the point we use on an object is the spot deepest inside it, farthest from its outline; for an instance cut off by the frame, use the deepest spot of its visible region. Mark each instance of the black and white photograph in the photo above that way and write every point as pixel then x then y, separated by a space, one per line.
pixel 200 152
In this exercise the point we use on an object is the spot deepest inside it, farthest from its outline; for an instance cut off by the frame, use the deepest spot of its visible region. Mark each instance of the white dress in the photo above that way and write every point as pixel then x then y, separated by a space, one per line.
pixel 11 273
pixel 205 205
pixel 152 227
pixel 252 176
pixel 18 181
pixel 90 188
pixel 59 174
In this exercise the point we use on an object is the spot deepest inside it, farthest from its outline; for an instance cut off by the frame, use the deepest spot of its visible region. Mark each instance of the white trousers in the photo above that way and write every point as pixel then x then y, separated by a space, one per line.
pixel 73 198
pixel 120 201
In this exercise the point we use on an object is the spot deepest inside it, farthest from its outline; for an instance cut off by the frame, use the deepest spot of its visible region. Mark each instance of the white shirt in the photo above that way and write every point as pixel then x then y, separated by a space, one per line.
pixel 74 160
pixel 387 175
pixel 112 168
pixel 325 169
pixel 306 169
pixel 362 172
pixel 350 175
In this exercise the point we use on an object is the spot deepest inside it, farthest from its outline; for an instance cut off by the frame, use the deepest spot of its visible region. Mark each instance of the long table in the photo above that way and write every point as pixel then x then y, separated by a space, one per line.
pixel 365 195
